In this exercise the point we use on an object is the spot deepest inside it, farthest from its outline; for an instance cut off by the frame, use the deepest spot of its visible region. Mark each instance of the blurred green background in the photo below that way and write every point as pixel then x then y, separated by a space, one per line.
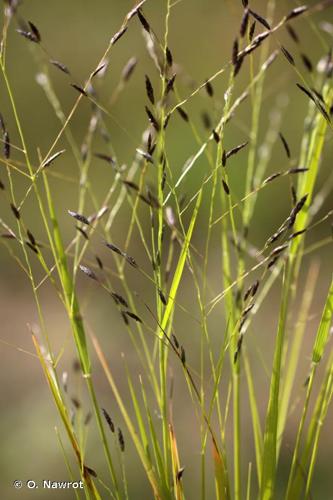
pixel 76 32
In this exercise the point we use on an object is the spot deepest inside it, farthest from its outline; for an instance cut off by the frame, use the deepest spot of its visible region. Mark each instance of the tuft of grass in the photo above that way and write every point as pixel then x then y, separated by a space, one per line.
pixel 189 233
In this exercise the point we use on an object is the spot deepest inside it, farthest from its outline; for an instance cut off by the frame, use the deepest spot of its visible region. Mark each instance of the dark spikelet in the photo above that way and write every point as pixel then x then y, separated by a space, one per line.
pixel 15 211
pixel 31 238
pixel 99 262
pixel 239 347
pixel 162 297
pixel 114 248
pixel 236 150
pixel 175 341
pixel 182 355
pixel 76 403
pixel 244 23
pixel 158 259
pixel 105 157
pixel 151 148
pixel 248 293
pixel 272 177
pixel 32 247
pixel 168 56
pixel 238 65
pixel 125 318
pixel 130 260
pixel 235 49
pixel 183 114
pixel 295 211
pixel 180 473
pixel 307 63
pixel 300 204
pixel 299 170
pixel 245 3
pixel 224 158
pixel 166 121
pixel 152 119
pixel 295 235
pixel 164 178
pixel 98 70
pixel 206 120
pixel 285 144
pixel 143 21
pixel 252 30
pixel 87 418
pixel 108 419
pixel 131 185
pixel 225 187
pixel 87 271
pixel 9 235
pixel 6 145
pixel 52 158
pixel 121 440
pixel 145 155
pixel 79 89
pixel 76 366
pixel 28 35
pixel 118 35
pixel 255 288
pixel 170 84
pixel 275 236
pixel 83 232
pixel 292 33
pixel 209 88
pixel 133 316
pixel 272 262
pixel 149 90
pixel 79 217
pixel 288 56
pixel 2 186
pixel 89 470
pixel 149 142
pixel 293 195
pixel 278 250
pixel 119 299
pixel 35 32
pixel 296 12
pixel 247 310
pixel 216 136
pixel 129 68
pixel 306 92
pixel 60 66
pixel 260 19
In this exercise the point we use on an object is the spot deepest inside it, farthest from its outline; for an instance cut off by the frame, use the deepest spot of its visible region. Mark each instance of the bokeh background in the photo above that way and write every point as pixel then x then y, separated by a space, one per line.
pixel 76 33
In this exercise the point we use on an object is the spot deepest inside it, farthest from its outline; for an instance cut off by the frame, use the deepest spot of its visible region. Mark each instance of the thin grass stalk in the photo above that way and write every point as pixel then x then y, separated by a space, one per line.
pixel 269 463
pixel 147 466
pixel 291 366
pixel 75 317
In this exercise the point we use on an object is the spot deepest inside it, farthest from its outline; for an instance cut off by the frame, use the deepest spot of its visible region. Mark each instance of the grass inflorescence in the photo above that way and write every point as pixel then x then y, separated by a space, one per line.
pixel 193 229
